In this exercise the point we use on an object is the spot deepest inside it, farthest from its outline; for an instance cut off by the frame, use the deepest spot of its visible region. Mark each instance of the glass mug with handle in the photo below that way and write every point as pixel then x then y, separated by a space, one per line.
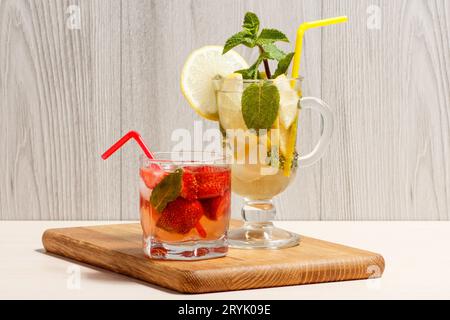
pixel 258 121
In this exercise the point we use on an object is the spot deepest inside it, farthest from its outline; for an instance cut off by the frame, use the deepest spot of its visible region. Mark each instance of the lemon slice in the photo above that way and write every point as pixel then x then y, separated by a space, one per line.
pixel 201 67
pixel 288 101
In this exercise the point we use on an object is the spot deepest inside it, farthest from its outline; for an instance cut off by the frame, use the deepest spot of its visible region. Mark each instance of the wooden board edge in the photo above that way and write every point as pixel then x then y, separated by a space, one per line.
pixel 86 253
pixel 198 281
pixel 370 267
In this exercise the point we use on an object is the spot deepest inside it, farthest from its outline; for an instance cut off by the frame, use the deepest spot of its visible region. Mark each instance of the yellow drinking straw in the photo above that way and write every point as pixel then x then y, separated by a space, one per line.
pixel 299 41
pixel 295 74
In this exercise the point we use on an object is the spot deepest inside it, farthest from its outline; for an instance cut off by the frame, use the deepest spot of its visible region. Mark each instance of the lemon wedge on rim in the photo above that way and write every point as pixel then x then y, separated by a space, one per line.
pixel 201 67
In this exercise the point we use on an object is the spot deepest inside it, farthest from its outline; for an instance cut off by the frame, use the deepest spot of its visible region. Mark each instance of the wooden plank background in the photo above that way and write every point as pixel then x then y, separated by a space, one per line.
pixel 60 105
pixel 66 95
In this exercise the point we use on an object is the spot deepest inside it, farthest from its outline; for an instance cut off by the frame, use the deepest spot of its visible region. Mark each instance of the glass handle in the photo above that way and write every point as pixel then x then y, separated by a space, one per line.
pixel 328 127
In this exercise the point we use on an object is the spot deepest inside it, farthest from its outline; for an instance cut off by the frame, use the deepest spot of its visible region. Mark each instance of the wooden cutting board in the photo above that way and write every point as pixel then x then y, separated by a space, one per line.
pixel 118 248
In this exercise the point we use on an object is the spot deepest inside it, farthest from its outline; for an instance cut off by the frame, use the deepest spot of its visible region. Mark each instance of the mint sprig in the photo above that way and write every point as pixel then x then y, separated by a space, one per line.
pixel 265 42
pixel 271 36
pixel 252 72
pixel 243 37
pixel 251 23
pixel 247 36
pixel 283 64
pixel 273 52
pixel 167 190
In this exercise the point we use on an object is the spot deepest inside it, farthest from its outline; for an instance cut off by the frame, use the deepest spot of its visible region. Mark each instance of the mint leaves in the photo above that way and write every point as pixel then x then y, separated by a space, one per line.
pixel 265 42
pixel 252 72
pixel 167 190
pixel 260 104
pixel 273 52
pixel 247 36
pixel 260 100
pixel 239 38
pixel 271 36
pixel 283 65
pixel 251 23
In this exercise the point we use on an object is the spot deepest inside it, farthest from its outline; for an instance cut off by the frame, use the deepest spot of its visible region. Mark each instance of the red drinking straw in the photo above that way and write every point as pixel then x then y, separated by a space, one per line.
pixel 130 135
pixel 136 136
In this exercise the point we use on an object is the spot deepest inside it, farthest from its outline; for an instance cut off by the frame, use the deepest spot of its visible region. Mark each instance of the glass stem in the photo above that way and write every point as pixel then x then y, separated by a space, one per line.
pixel 258 212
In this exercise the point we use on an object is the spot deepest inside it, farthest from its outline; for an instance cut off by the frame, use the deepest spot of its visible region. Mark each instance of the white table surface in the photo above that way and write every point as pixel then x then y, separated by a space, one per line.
pixel 417 256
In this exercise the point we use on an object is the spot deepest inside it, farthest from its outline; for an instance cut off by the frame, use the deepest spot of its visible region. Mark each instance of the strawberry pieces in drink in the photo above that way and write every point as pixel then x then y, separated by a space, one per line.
pixel 212 182
pixel 180 216
pixel 217 207
pixel 189 185
pixel 200 230
pixel 152 175
pixel 204 182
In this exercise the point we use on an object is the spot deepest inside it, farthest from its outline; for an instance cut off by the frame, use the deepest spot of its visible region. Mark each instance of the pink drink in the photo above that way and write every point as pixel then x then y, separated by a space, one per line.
pixel 184 209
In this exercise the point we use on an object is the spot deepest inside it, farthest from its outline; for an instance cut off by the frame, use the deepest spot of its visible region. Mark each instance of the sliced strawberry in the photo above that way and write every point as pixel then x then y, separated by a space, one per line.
pixel 152 175
pixel 180 216
pixel 217 207
pixel 191 168
pixel 189 186
pixel 210 169
pixel 201 231
pixel 204 182
pixel 212 182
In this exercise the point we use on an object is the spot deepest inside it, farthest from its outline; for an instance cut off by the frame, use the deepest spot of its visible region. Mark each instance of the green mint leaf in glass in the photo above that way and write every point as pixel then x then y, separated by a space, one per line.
pixel 272 52
pixel 260 104
pixel 251 23
pixel 167 190
pixel 271 36
pixel 242 37
pixel 249 73
pixel 283 65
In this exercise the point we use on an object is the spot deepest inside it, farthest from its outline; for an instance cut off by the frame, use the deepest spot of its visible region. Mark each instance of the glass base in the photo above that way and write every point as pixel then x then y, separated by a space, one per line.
pixel 261 236
pixel 186 250
pixel 258 231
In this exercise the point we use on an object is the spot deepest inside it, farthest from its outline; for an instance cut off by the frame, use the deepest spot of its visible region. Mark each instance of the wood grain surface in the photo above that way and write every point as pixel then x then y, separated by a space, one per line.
pixel 118 248
pixel 66 95
pixel 390 157
pixel 60 106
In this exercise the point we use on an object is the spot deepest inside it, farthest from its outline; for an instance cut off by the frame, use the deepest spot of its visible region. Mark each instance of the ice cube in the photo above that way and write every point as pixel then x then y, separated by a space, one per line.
pixel 233 83
pixel 230 114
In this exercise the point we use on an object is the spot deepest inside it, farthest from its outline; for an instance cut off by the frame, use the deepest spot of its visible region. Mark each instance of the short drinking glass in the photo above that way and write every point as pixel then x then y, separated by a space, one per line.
pixel 185 205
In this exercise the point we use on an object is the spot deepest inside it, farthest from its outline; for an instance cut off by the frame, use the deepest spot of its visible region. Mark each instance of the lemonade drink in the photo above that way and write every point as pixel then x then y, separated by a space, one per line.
pixel 265 159
pixel 257 110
